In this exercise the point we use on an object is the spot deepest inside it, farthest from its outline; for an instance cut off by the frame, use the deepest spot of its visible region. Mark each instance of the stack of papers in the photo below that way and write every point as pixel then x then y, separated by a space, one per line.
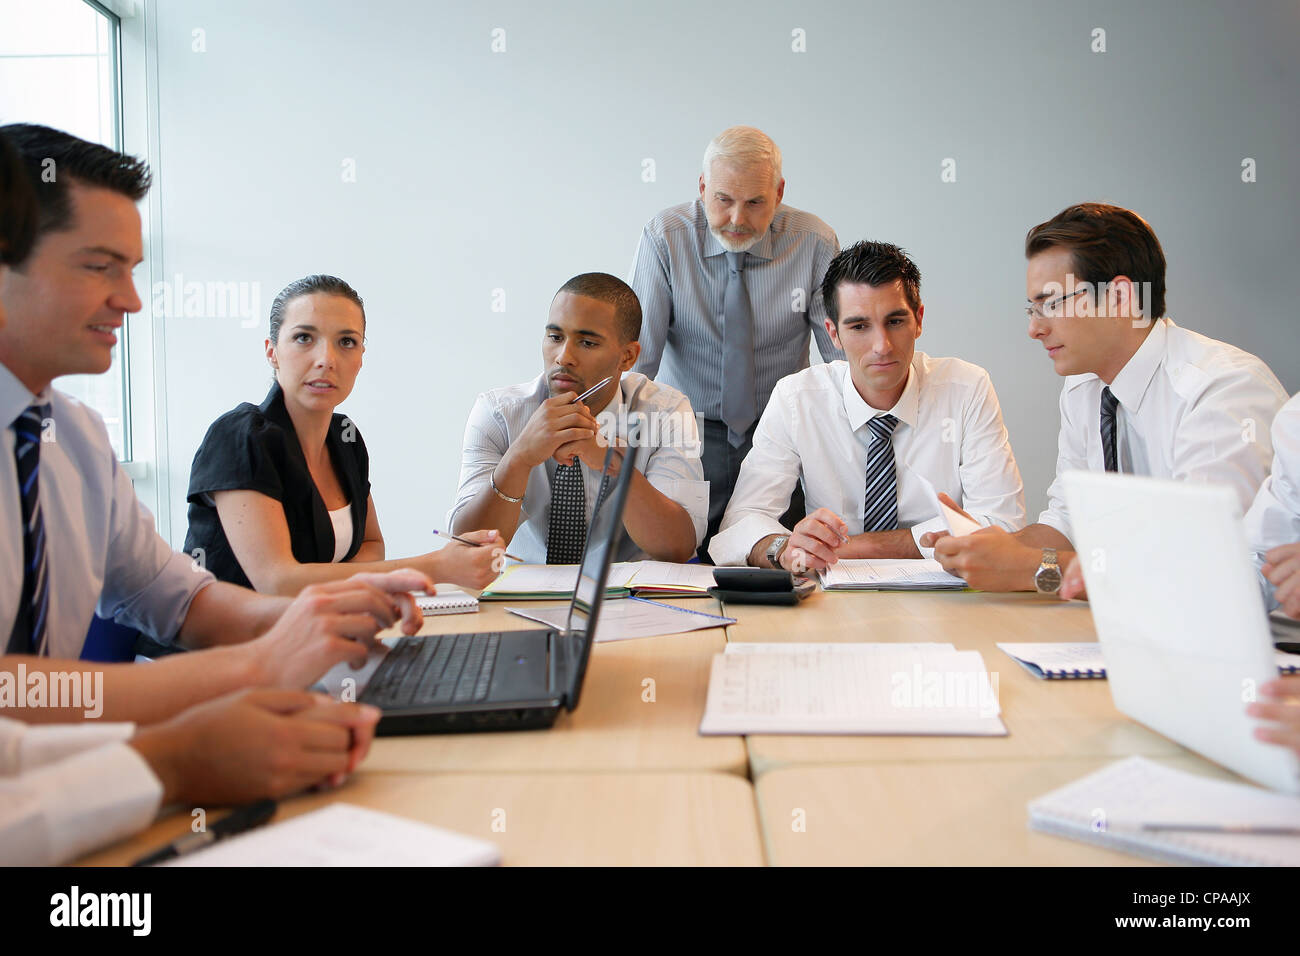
pixel 1076 660
pixel 851 689
pixel 1117 807
pixel 345 835
pixel 664 579
pixel 889 574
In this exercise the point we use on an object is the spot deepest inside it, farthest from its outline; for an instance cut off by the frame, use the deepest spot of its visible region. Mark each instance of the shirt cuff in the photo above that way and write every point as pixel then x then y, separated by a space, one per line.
pixel 80 804
pixel 41 746
pixel 732 545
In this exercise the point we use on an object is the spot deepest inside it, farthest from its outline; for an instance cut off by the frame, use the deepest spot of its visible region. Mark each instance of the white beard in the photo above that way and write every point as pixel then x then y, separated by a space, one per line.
pixel 735 245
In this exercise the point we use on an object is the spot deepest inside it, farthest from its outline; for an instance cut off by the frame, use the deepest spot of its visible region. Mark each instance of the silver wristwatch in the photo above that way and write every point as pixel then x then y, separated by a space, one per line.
pixel 1048 577
pixel 774 550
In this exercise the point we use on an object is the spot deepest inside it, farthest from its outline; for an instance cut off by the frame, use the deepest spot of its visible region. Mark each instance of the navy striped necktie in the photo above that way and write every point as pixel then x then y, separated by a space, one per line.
pixel 880 512
pixel 1109 403
pixel 28 634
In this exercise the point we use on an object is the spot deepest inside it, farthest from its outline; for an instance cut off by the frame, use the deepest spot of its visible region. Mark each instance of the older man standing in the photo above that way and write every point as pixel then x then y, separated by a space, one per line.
pixel 727 285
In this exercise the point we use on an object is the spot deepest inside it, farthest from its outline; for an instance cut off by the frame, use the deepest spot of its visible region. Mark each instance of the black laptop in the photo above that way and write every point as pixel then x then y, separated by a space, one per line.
pixel 512 680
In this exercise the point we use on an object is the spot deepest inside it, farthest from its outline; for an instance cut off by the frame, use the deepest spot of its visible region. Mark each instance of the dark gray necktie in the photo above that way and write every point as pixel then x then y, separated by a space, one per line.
pixel 566 538
pixel 880 512
pixel 739 402
pixel 568 530
pixel 1109 403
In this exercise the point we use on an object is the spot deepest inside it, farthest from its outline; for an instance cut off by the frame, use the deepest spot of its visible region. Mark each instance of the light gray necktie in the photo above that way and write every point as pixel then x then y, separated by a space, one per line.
pixel 739 404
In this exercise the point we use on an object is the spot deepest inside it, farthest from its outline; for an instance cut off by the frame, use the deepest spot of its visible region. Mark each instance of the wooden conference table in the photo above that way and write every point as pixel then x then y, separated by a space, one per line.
pixel 627 779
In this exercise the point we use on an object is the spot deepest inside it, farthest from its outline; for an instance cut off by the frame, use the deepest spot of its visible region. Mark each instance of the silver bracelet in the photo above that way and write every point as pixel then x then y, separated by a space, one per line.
pixel 492 480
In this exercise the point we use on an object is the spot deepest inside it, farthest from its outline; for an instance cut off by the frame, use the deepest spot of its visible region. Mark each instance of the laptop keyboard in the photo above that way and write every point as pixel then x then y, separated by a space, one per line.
pixel 447 669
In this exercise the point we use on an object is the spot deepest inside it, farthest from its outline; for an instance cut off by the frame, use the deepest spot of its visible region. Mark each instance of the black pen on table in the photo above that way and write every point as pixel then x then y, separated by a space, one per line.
pixel 239 821
pixel 473 544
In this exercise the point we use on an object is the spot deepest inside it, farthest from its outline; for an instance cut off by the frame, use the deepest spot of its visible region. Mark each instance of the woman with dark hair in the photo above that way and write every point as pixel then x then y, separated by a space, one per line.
pixel 280 492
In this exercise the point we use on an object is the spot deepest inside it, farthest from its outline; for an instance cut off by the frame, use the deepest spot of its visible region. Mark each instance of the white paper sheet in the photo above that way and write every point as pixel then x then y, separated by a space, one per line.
pixel 343 834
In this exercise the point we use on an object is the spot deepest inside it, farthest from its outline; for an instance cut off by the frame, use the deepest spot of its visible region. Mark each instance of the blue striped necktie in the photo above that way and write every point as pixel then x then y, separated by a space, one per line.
pixel 1108 405
pixel 28 635
pixel 880 513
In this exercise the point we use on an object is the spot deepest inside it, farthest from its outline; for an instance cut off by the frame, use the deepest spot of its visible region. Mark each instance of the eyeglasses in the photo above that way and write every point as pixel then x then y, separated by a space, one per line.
pixel 1051 308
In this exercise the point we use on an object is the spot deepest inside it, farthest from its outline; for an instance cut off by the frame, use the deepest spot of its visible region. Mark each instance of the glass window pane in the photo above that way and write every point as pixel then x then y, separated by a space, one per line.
pixel 58 67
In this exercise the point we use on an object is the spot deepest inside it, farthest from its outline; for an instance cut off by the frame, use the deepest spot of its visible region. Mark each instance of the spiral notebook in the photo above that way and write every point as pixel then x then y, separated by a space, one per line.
pixel 1067 661
pixel 446 601
pixel 1118 807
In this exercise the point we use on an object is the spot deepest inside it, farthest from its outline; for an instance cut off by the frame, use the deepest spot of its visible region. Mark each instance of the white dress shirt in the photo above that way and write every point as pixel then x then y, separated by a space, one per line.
pixel 66 789
pixel 1190 408
pixel 669 456
pixel 815 430
pixel 1274 517
pixel 102 550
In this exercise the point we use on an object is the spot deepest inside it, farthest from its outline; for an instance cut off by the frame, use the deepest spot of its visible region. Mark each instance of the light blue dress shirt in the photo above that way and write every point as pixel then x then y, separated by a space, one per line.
pixel 104 554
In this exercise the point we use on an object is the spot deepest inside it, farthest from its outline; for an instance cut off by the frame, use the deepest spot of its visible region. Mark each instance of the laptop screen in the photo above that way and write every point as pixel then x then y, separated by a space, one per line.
pixel 602 543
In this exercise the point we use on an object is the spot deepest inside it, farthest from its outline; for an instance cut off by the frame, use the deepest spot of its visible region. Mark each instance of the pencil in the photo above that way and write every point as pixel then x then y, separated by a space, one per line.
pixel 473 544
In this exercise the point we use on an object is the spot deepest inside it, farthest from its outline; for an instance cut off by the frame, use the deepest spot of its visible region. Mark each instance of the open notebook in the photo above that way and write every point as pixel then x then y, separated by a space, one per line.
pixel 787 688
pixel 1113 806
pixel 889 574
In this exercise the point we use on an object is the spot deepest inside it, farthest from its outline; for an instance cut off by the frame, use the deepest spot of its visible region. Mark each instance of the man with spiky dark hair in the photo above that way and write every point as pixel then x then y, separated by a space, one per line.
pixel 860 435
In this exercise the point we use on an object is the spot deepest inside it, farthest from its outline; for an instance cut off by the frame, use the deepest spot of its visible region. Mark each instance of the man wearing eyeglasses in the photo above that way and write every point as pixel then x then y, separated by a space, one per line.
pixel 1142 395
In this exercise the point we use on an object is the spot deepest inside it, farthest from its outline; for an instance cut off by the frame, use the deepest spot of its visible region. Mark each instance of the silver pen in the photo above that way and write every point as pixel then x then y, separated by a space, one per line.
pixel 595 388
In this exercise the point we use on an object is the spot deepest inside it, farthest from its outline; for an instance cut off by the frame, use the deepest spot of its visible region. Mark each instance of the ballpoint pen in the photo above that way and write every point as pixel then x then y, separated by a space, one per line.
pixel 473 544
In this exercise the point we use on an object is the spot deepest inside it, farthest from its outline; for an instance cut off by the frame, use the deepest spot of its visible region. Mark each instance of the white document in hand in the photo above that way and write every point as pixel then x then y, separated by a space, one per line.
pixel 343 834
pixel 958 524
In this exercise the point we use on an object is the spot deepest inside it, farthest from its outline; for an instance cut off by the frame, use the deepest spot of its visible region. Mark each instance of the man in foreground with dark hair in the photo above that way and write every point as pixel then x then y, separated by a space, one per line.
pixel 1142 395
pixel 860 434
pixel 533 454
pixel 76 538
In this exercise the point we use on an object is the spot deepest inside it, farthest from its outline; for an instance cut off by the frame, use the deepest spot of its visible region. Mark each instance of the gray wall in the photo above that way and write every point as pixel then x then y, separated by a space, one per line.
pixel 515 170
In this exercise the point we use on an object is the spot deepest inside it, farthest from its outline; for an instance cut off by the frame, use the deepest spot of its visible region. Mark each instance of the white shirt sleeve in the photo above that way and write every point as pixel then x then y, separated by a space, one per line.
pixel 1274 517
pixel 992 490
pixel 147 585
pixel 1071 455
pixel 762 494
pixel 675 468
pixel 485 444
pixel 66 790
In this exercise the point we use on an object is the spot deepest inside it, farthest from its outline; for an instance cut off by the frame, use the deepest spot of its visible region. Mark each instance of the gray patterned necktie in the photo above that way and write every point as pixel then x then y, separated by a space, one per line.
pixel 739 402
pixel 880 512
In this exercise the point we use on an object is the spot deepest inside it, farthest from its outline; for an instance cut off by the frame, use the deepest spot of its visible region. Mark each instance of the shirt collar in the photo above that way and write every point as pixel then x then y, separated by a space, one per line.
pixel 273 407
pixel 905 409
pixel 15 398
pixel 1130 385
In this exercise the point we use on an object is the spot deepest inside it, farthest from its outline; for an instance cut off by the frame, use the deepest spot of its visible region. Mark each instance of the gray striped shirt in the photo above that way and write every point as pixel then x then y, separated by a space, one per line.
pixel 680 276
